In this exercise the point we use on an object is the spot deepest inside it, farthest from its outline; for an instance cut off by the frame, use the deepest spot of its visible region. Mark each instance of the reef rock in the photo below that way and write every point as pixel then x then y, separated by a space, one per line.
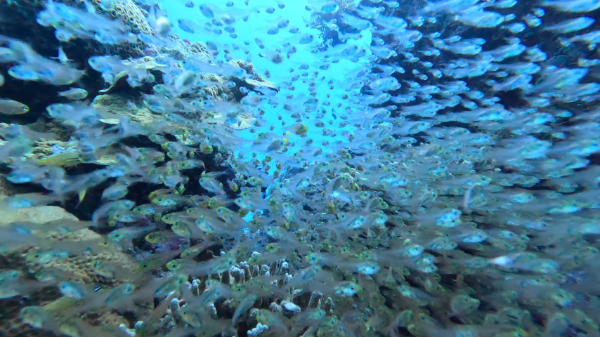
pixel 119 106
pixel 38 215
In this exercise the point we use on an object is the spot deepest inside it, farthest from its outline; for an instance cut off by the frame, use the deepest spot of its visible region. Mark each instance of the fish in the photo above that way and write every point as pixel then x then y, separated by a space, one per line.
pixel 28 200
pixel 207 11
pixel 212 185
pixel 572 6
pixel 188 26
pixel 74 94
pixel 572 25
pixel 10 107
pixel 365 169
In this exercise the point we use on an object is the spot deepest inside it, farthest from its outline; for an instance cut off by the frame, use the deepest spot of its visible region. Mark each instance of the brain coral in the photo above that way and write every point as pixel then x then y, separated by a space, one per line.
pixel 131 15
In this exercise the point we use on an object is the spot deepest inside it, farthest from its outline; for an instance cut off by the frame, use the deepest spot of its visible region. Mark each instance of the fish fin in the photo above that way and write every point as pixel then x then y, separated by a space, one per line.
pixel 81 195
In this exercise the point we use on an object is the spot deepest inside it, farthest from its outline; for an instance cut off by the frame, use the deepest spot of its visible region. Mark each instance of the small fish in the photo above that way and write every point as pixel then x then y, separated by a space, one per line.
pixel 42 257
pixel 63 159
pixel 26 174
pixel 232 185
pixel 206 149
pixel 29 200
pixel 170 200
pixel 212 185
pixel 299 129
pixel 110 208
pixel 347 289
pixel 186 79
pixel 74 94
pixel 114 192
pixel 155 261
pixel 62 56
pixel 187 26
pixel 243 306
pixel 194 250
pixel 74 290
pixel 572 25
pixel 161 237
pixel 35 316
pixel 183 229
pixel 128 233
pixel 463 304
pixel 23 72
pixel 255 181
pixel 274 321
pixel 188 164
pixel 174 265
pixel 206 11
pixel 124 216
pixel 574 6
pixel 10 107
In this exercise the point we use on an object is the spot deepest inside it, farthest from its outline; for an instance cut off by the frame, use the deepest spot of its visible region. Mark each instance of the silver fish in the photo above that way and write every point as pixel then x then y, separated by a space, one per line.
pixel 10 107
pixel 74 94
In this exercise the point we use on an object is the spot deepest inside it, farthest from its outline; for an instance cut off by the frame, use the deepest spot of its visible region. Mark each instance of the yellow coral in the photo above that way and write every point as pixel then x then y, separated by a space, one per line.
pixel 130 14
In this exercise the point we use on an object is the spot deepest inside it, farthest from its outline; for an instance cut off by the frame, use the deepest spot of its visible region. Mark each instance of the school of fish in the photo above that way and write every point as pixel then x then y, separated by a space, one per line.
pixel 446 185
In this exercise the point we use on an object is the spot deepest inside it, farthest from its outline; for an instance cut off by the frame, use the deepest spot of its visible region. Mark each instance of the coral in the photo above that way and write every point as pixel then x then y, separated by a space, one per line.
pixel 146 62
pixel 9 308
pixel 257 80
pixel 125 49
pixel 11 324
pixel 136 73
pixel 6 188
pixel 56 153
pixel 119 106
pixel 118 81
pixel 245 121
pixel 91 267
pixel 85 268
pixel 37 215
pixel 214 91
pixel 185 49
pixel 130 14
pixel 213 78
pixel 261 83
pixel 45 148
pixel 111 319
pixel 198 48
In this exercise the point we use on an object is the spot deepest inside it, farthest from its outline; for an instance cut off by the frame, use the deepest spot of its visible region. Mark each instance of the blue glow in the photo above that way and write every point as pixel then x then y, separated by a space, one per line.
pixel 256 28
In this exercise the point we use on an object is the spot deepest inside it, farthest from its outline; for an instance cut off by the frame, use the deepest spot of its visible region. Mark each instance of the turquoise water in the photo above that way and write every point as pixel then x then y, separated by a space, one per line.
pixel 256 27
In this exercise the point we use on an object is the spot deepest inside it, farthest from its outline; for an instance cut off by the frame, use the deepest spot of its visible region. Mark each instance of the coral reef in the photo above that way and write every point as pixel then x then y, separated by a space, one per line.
pixel 36 215
pixel 397 174
pixel 121 106
pixel 128 13
pixel 184 49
